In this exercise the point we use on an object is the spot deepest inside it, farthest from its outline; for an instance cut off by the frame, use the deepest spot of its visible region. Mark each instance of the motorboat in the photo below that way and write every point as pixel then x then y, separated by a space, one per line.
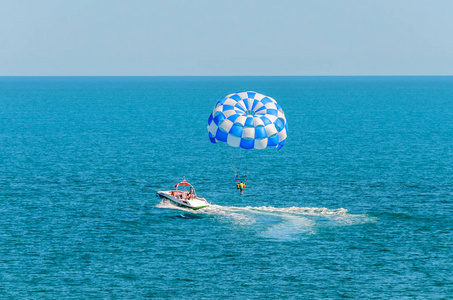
pixel 183 195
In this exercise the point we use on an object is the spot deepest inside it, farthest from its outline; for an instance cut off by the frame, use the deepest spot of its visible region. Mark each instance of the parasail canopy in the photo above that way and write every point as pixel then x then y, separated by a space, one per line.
pixel 249 120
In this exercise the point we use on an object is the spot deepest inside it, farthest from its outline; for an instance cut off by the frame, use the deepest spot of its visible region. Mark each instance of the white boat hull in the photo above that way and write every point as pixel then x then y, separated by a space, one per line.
pixel 194 203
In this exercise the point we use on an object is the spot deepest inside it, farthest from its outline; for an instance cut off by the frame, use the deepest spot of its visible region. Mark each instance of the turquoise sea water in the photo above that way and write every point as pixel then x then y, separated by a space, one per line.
pixel 358 203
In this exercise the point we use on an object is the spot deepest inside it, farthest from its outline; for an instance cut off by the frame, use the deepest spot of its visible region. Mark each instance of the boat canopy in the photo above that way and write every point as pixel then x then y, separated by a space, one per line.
pixel 182 183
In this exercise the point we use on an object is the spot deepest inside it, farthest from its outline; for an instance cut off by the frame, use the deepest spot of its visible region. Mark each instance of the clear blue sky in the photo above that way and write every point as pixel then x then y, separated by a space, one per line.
pixel 226 37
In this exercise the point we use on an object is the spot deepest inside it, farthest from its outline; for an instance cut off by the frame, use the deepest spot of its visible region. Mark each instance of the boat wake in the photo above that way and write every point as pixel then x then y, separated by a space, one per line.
pixel 280 223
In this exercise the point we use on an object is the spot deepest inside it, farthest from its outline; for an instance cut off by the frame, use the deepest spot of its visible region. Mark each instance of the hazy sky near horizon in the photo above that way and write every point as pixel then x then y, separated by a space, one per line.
pixel 226 37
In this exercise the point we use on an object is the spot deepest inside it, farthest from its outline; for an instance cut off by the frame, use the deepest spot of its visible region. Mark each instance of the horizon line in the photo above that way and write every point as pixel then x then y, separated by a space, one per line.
pixel 226 75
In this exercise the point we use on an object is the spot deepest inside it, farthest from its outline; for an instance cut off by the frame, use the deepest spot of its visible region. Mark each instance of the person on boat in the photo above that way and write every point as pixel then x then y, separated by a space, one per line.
pixel 190 195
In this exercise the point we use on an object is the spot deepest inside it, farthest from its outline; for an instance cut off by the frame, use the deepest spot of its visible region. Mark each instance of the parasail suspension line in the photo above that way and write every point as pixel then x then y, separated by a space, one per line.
pixel 229 160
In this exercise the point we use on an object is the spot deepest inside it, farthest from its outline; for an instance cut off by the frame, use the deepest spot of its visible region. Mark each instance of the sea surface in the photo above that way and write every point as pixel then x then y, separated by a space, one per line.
pixel 358 204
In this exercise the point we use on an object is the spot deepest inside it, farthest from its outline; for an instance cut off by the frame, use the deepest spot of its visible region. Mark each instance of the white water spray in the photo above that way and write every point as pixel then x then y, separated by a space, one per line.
pixel 281 223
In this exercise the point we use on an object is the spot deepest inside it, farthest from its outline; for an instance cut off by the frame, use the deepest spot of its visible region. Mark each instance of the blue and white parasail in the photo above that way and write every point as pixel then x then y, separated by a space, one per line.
pixel 249 120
